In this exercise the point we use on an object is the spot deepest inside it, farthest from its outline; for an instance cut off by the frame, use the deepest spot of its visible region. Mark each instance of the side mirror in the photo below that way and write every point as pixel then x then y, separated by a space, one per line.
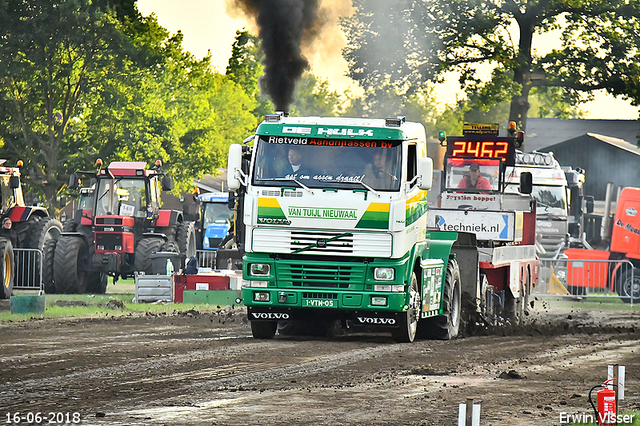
pixel 526 183
pixel 232 201
pixel 589 201
pixel 63 202
pixel 14 182
pixel 167 183
pixel 234 167
pixel 73 181
pixel 425 171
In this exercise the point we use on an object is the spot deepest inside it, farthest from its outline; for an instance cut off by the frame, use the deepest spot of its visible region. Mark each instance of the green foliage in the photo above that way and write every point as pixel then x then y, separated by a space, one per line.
pixel 245 69
pixel 80 80
pixel 406 43
pixel 313 97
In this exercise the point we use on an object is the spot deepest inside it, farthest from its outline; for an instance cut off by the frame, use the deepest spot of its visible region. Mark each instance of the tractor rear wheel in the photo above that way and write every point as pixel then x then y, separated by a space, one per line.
pixel 48 254
pixel 97 282
pixel 145 248
pixel 7 268
pixel 70 263
pixel 43 229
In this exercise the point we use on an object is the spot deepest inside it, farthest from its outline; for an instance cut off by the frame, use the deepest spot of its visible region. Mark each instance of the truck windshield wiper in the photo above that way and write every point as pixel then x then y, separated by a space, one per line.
pixel 355 181
pixel 310 246
pixel 302 185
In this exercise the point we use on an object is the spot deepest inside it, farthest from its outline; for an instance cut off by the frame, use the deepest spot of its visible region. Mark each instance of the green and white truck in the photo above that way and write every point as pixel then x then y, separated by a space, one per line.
pixel 342 235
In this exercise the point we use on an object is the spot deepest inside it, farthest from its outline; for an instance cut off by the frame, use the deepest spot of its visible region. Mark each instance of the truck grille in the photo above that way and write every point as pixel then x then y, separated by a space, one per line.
pixel 321 275
pixel 363 244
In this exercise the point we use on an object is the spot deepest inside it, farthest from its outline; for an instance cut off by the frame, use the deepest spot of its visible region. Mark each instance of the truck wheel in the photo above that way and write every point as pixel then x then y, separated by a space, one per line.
pixel 186 239
pixel 406 332
pixel 7 268
pixel 48 253
pixel 487 307
pixel 97 282
pixel 447 325
pixel 69 265
pixel 263 329
pixel 628 287
pixel 43 229
pixel 513 308
pixel 145 248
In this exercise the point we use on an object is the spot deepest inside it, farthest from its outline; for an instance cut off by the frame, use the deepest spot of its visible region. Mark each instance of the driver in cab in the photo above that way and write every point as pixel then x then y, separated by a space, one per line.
pixel 473 180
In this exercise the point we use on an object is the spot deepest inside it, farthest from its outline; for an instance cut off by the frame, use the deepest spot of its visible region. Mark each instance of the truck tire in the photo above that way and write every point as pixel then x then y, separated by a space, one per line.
pixel 145 248
pixel 48 253
pixel 263 329
pixel 513 308
pixel 70 263
pixel 97 282
pixel 7 268
pixel 628 287
pixel 186 239
pixel 406 332
pixel 41 230
pixel 447 325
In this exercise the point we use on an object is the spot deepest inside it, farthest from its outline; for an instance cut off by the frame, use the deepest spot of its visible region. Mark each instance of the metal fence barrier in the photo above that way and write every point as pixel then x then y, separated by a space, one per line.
pixel 206 258
pixel 584 278
pixel 28 274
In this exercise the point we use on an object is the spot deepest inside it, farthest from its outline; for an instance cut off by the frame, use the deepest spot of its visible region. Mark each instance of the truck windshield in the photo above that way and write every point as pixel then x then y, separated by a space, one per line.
pixel 128 198
pixel 473 175
pixel 550 200
pixel 328 163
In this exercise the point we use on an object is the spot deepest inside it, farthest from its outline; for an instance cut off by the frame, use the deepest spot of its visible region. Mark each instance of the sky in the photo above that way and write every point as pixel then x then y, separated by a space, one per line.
pixel 210 26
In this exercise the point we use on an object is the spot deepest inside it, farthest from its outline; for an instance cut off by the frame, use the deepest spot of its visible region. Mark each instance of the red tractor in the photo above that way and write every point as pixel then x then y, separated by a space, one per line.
pixel 32 224
pixel 118 230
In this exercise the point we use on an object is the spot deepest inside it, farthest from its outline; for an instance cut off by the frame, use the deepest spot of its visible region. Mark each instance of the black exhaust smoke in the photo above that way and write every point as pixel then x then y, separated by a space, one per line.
pixel 284 25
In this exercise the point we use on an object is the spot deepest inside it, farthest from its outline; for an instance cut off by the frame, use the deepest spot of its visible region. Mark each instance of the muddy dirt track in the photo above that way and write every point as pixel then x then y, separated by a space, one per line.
pixel 206 369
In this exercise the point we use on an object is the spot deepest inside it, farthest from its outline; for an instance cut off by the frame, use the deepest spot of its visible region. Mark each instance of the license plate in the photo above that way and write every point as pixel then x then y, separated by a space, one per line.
pixel 320 303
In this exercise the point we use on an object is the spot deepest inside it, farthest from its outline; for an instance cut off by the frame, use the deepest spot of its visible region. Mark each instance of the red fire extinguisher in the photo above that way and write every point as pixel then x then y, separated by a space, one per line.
pixel 606 412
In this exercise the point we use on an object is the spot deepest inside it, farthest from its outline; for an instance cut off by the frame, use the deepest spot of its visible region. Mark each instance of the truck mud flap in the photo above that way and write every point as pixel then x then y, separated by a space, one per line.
pixel 378 319
pixel 269 314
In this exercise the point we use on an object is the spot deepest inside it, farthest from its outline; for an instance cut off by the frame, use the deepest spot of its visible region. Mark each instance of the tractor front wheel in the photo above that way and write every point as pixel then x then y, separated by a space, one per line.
pixel 7 268
pixel 70 264
pixel 145 248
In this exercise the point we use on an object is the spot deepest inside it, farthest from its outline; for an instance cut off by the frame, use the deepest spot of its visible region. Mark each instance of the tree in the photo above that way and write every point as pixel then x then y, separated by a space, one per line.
pixel 407 43
pixel 245 69
pixel 80 80
pixel 51 53
pixel 314 97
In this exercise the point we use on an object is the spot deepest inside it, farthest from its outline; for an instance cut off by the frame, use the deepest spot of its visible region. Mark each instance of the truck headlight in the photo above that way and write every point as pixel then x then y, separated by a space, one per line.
pixel 378 301
pixel 205 243
pixel 389 288
pixel 383 274
pixel 259 269
pixel 259 284
pixel 261 296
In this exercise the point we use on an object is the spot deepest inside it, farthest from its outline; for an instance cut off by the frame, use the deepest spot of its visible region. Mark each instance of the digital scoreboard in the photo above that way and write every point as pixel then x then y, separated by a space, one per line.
pixel 482 147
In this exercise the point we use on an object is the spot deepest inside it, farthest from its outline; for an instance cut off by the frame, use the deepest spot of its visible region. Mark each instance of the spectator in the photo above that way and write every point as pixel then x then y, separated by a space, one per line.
pixel 8 232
